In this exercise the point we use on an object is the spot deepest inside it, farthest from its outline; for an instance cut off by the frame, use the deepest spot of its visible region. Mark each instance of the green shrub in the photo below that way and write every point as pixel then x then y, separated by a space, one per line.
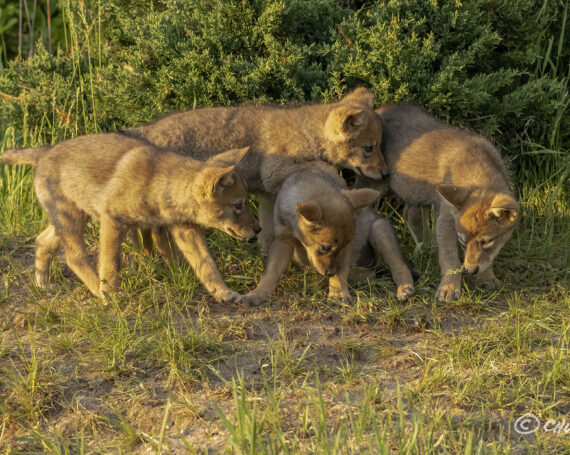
pixel 497 66
pixel 470 63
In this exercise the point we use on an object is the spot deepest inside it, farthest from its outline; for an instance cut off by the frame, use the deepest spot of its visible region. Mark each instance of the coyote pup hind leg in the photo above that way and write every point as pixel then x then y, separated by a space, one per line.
pixel 385 244
pixel 47 243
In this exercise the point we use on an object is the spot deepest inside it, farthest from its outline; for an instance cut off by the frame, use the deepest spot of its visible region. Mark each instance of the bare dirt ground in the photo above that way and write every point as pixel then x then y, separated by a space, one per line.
pixel 166 369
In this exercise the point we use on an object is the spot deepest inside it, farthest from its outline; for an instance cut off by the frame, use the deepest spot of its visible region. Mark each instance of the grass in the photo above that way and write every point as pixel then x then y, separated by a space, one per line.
pixel 163 367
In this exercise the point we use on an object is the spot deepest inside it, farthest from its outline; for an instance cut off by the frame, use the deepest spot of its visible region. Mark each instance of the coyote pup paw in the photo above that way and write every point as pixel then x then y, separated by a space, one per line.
pixel 405 291
pixel 340 295
pixel 487 279
pixel 448 292
pixel 228 296
pixel 493 283
pixel 108 288
pixel 42 280
pixel 254 299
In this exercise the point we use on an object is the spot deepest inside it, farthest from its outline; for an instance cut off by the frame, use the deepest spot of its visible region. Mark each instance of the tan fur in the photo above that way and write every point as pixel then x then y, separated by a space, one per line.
pixel 28 155
pixel 124 183
pixel 346 134
pixel 464 176
pixel 278 136
pixel 321 223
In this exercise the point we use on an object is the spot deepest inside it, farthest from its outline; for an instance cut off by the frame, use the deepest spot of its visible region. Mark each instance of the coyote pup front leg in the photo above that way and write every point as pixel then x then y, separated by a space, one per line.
pixel 338 283
pixel 279 257
pixel 450 287
pixel 111 238
pixel 47 244
pixel 192 243
pixel 385 244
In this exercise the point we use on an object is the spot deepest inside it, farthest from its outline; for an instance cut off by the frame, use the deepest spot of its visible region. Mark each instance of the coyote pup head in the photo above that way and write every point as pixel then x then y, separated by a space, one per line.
pixel 224 195
pixel 326 228
pixel 354 133
pixel 484 221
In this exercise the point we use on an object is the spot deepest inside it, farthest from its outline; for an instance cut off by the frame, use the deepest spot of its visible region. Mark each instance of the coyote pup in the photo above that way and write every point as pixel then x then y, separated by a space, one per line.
pixel 465 177
pixel 346 134
pixel 321 223
pixel 124 183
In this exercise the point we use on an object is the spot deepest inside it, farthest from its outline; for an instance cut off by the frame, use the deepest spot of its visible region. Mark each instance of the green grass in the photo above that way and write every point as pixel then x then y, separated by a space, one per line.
pixel 162 366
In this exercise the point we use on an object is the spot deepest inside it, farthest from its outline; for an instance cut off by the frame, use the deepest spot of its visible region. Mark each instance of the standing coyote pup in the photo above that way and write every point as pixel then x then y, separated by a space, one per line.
pixel 124 183
pixel 321 223
pixel 346 134
pixel 465 177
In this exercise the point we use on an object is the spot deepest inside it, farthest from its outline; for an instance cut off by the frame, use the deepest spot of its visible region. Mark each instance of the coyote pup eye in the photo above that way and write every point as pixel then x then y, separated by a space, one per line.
pixel 325 249
pixel 238 206
pixel 487 243
pixel 368 149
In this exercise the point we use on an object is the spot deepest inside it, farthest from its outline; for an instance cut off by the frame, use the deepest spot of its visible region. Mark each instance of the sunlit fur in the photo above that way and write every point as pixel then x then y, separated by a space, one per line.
pixel 346 133
pixel 464 176
pixel 482 230
pixel 316 218
pixel 125 183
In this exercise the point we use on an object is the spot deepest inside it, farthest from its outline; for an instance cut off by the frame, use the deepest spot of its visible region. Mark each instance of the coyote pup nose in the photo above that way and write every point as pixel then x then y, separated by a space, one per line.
pixel 472 270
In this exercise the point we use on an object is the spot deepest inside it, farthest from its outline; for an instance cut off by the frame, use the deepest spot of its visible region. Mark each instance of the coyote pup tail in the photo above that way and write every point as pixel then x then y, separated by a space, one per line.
pixel 29 155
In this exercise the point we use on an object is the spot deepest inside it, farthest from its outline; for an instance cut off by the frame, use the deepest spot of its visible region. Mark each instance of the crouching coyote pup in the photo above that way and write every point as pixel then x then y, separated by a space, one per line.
pixel 124 183
pixel 321 223
pixel 465 177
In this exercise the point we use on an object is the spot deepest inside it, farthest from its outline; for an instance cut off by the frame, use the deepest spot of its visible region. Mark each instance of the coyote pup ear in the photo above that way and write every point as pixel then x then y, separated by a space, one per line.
pixel 344 122
pixel 223 178
pixel 504 209
pixel 454 194
pixel 310 211
pixel 361 96
pixel 360 198
pixel 231 157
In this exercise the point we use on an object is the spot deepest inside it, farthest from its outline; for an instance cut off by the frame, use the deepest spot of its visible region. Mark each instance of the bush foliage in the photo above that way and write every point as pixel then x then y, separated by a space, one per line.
pixel 481 64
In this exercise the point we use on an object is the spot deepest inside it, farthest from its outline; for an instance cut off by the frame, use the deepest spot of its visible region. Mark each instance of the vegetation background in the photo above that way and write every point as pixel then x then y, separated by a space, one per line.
pixel 163 366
